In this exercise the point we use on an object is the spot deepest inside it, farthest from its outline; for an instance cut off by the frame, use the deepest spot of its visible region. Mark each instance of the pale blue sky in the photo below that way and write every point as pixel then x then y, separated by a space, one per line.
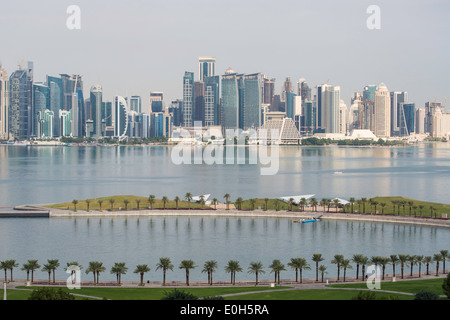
pixel 134 47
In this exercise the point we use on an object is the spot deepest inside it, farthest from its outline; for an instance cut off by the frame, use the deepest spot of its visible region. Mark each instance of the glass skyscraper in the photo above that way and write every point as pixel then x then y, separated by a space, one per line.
pixel 4 103
pixel 407 118
pixel 206 67
pixel 252 101
pixel 212 101
pixel 41 102
pixel 188 99
pixel 20 106
pixel 96 110
pixel 230 102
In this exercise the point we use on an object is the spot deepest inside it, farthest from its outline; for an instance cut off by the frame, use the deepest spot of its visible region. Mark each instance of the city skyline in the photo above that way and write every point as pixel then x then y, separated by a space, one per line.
pixel 407 53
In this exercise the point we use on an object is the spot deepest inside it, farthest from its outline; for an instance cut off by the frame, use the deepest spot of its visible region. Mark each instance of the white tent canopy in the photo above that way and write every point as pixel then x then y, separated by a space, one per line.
pixel 197 198
pixel 297 199
pixel 342 201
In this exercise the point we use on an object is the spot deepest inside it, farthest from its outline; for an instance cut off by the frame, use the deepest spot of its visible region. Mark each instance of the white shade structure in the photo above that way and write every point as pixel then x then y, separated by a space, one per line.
pixel 197 198
pixel 297 198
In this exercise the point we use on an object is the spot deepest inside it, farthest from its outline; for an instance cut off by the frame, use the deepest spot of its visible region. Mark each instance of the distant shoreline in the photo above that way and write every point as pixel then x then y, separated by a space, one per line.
pixel 356 217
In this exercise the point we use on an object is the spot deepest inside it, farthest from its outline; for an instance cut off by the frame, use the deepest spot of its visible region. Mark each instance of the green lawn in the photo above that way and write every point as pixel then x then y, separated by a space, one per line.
pixel 314 294
pixel 410 286
pixel 119 203
pixel 140 293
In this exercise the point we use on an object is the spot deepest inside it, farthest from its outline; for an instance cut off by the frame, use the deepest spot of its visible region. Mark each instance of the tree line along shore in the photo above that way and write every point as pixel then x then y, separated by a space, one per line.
pixel 389 206
pixel 405 264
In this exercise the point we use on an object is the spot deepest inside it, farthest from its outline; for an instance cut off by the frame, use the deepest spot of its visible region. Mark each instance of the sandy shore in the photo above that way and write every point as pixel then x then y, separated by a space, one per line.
pixel 54 213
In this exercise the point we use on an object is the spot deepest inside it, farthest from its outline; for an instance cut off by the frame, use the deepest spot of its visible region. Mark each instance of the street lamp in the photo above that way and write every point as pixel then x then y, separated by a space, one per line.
pixel 4 290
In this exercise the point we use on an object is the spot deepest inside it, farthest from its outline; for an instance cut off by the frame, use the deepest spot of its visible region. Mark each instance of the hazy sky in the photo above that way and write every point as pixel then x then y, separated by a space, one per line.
pixel 134 47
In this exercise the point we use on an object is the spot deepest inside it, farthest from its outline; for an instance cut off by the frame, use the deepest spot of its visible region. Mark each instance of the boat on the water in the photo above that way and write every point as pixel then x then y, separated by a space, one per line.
pixel 305 220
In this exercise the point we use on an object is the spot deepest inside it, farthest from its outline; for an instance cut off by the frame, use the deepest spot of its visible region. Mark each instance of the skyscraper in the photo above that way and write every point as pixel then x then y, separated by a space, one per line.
pixel 136 104
pixel 206 67
pixel 397 97
pixel 328 106
pixel 407 118
pixel 20 106
pixel 188 99
pixel 96 100
pixel 41 102
pixel 156 101
pixel 120 117
pixel 287 87
pixel 230 101
pixel 269 90
pixel 252 101
pixel 199 101
pixel 4 103
pixel 382 112
pixel 211 114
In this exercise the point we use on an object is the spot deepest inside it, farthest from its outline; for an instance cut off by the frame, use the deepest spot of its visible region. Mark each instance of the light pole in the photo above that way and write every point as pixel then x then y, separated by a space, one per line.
pixel 4 290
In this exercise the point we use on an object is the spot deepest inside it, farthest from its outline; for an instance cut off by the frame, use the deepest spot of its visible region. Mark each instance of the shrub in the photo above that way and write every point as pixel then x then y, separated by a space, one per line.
pixel 178 295
pixel 50 294
pixel 426 295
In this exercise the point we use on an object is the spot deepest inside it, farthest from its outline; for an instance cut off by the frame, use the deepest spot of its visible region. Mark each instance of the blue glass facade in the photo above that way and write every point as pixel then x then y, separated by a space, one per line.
pixel 41 102
pixel 230 102
pixel 290 104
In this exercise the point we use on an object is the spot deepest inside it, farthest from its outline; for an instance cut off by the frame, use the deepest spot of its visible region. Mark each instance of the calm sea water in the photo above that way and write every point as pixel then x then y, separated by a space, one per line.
pixel 56 174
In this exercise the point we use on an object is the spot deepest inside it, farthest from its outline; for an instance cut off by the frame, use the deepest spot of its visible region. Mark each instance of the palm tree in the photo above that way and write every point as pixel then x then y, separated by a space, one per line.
pixel 151 200
pixel 338 258
pixel 352 201
pixel 403 203
pixel 394 260
pixel 323 203
pixel 31 265
pixel 317 257
pixel 445 255
pixel 177 199
pixel 75 202
pixel 27 267
pixel 383 261
pixel 437 258
pixel 111 201
pixel 313 202
pixel 210 266
pixel 363 202
pixel 202 200
pixel 427 260
pixel 277 267
pixel 382 205
pixel 357 258
pixel 346 265
pixel 232 267
pixel 419 260
pixel 227 198
pixel 299 264
pixel 375 203
pixel 336 204
pixel 215 202
pixel 164 200
pixel 100 204
pixel 11 265
pixel 359 202
pixel 126 202
pixel 303 203
pixel 364 261
pixel 138 201
pixel 412 261
pixel 72 272
pixel 410 204
pixel 421 207
pixel 141 269
pixel 95 267
pixel 394 203
pixel 256 268
pixel 164 264
pixel 266 202
pixel 322 269
pixel 403 259
pixel 188 197
pixel 239 203
pixel 48 268
pixel 118 269
pixel 187 265
pixel 88 202
pixel 253 202
pixel 415 210
pixel 54 264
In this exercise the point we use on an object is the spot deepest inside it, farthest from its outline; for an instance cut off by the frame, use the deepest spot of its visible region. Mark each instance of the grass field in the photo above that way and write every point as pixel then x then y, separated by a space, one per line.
pixel 119 202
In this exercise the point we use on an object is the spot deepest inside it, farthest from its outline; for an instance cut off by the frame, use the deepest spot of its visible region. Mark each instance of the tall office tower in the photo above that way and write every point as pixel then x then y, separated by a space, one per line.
pixel 420 121
pixel 176 109
pixel 343 112
pixel 328 102
pixel 382 112
pixel 252 101
pixel 45 123
pixel 156 101
pixel 206 67
pixel 211 114
pixel 287 87
pixel 199 100
pixel 269 90
pixel 120 117
pixel 75 83
pixel 20 103
pixel 41 102
pixel 107 113
pixel 354 115
pixel 4 103
pixel 276 103
pixel 230 101
pixel 304 91
pixel 407 114
pixel 56 99
pixel 369 92
pixel 65 122
pixel 136 104
pixel 96 99
pixel 430 109
pixel 397 97
pixel 188 99
pixel 308 120
pixel 291 105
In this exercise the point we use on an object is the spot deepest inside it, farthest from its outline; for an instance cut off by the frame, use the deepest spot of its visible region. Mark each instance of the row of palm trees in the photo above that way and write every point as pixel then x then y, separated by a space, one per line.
pixel 298 264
